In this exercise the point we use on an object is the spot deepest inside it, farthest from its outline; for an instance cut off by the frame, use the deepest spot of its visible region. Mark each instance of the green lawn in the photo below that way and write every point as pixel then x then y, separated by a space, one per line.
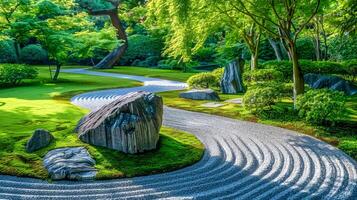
pixel 152 72
pixel 41 103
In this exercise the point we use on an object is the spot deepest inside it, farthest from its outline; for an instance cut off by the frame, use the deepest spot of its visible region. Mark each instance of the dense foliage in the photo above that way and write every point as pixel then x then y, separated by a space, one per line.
pixel 33 54
pixel 7 52
pixel 262 97
pixel 203 80
pixel 206 79
pixel 321 106
pixel 263 75
pixel 14 74
pixel 318 67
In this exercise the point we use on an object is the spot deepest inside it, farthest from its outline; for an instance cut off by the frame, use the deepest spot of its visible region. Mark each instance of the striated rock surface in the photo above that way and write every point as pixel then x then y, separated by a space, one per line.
pixel 206 94
pixel 40 138
pixel 130 124
pixel 232 81
pixel 70 163
pixel 318 81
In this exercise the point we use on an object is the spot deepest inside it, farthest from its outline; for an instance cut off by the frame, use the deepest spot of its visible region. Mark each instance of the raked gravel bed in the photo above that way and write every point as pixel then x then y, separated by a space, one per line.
pixel 243 160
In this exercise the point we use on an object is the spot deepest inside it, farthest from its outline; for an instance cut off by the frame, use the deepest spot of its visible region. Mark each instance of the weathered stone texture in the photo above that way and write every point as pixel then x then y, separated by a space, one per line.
pixel 130 124
pixel 206 94
pixel 40 138
pixel 232 82
pixel 70 163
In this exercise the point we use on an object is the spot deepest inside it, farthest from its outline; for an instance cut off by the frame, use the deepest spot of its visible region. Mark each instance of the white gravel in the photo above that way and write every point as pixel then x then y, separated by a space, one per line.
pixel 243 160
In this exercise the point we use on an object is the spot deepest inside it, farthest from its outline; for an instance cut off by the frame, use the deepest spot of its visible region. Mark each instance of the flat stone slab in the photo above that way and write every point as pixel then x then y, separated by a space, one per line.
pixel 212 105
pixel 235 101
pixel 70 163
pixel 206 94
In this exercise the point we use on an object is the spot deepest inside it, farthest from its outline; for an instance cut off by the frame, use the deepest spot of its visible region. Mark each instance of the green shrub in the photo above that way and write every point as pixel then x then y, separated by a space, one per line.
pixel 343 48
pixel 307 66
pixel 7 52
pixel 140 48
pixel 218 73
pixel 262 75
pixel 305 48
pixel 260 98
pixel 321 106
pixel 13 74
pixel 205 54
pixel 285 67
pixel 203 80
pixel 149 61
pixel 33 54
pixel 168 63
pixel 351 68
pixel 321 67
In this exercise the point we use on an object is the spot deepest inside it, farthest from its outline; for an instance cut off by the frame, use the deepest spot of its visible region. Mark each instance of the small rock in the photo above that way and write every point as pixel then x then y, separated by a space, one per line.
pixel 206 94
pixel 70 163
pixel 40 138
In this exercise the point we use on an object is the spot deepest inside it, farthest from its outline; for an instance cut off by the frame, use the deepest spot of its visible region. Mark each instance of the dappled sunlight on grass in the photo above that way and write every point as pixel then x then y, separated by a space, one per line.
pixel 36 105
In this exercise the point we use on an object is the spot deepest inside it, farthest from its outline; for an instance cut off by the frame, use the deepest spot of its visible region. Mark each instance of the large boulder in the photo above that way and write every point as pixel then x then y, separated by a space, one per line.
pixel 232 82
pixel 40 138
pixel 70 163
pixel 206 94
pixel 130 124
pixel 318 81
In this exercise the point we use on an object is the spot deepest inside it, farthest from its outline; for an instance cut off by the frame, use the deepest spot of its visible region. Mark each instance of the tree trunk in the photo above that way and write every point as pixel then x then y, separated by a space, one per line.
pixel 317 42
pixel 117 53
pixel 277 50
pixel 17 51
pixel 114 56
pixel 58 69
pixel 297 74
pixel 254 61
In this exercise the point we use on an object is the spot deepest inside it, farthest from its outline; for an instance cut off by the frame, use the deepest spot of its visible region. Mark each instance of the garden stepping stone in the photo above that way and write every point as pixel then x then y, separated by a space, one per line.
pixel 40 138
pixel 235 101
pixel 129 124
pixel 206 94
pixel 212 105
pixel 70 163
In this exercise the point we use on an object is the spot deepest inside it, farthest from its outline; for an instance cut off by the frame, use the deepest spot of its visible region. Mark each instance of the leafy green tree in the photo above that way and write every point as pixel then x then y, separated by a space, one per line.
pixel 290 17
pixel 15 22
pixel 66 34
pixel 108 8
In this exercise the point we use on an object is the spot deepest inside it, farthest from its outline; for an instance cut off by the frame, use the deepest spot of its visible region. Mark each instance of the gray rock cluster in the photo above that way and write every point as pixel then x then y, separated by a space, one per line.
pixel 70 163
pixel 206 94
pixel 232 82
pixel 40 138
pixel 130 124
pixel 318 81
